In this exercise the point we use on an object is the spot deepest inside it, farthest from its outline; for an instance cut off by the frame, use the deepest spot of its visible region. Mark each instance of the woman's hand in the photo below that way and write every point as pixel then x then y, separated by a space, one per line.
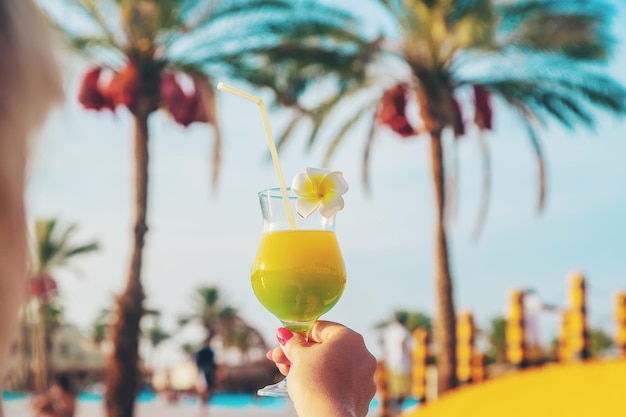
pixel 331 374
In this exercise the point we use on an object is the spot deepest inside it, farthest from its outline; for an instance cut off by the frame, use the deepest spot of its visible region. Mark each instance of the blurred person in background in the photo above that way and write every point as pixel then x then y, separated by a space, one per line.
pixel 396 340
pixel 29 85
pixel 205 385
pixel 58 401
pixel 533 307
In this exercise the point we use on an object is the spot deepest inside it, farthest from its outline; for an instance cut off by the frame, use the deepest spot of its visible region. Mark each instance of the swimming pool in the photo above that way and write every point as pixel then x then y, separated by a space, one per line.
pixel 221 399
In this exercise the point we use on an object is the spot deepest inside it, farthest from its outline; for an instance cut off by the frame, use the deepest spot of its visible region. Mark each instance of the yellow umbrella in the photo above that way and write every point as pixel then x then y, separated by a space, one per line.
pixel 572 390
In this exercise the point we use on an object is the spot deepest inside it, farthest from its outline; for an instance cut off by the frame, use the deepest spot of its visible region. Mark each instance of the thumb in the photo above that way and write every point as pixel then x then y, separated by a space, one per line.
pixel 290 342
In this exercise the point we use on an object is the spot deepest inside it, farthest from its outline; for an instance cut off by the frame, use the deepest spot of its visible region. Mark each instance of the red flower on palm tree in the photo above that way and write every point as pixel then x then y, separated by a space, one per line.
pixel 42 286
pixel 90 94
pixel 123 88
pixel 392 110
pixel 96 93
pixel 185 108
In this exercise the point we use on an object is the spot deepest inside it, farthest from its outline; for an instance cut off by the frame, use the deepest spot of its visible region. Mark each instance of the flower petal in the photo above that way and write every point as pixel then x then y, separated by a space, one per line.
pixel 89 94
pixel 336 182
pixel 331 204
pixel 316 172
pixel 305 206
pixel 302 186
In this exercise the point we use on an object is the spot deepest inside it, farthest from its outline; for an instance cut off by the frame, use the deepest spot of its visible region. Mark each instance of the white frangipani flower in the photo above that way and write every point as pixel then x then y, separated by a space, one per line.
pixel 319 188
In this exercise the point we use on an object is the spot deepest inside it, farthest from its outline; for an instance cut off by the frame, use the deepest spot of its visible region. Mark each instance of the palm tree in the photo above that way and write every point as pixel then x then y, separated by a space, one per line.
pixel 244 338
pixel 143 50
pixel 221 320
pixel 533 57
pixel 100 326
pixel 601 342
pixel 414 320
pixel 155 333
pixel 53 249
pixel 209 311
pixel 497 340
pixel 53 316
pixel 188 349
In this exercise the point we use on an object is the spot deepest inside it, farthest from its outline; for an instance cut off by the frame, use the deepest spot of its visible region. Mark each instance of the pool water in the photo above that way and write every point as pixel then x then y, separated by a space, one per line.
pixel 233 400
pixel 222 399
pixel 143 397
pixel 12 396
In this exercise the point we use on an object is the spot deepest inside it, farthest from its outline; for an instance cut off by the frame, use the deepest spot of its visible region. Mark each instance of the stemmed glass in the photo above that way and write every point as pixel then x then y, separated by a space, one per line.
pixel 298 273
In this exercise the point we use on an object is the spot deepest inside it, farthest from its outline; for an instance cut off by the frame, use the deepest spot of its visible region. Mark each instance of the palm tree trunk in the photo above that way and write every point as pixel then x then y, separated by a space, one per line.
pixel 445 325
pixel 36 375
pixel 24 357
pixel 122 371
pixel 41 367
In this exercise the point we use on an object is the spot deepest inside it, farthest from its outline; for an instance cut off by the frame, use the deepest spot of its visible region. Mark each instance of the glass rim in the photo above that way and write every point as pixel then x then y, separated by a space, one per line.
pixel 275 192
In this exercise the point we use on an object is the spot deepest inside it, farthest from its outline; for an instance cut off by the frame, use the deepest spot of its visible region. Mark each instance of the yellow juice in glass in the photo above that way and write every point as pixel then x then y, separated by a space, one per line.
pixel 298 275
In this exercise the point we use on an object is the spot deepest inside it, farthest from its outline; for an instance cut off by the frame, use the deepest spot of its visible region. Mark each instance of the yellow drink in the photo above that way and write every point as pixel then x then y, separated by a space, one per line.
pixel 298 275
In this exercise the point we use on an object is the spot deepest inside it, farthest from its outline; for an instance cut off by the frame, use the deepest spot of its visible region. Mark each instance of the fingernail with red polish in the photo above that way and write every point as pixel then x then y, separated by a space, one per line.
pixel 283 334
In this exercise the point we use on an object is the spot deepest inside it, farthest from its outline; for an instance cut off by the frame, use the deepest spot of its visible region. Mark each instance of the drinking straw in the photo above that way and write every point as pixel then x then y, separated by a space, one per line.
pixel 272 145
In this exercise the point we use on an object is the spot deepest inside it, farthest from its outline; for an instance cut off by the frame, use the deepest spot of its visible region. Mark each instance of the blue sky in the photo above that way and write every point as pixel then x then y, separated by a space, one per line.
pixel 82 173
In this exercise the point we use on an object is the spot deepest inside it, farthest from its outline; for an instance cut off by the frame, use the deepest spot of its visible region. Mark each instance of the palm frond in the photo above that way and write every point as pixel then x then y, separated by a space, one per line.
pixel 86 32
pixel 202 14
pixel 233 27
pixel 53 247
pixel 459 9
pixel 53 314
pixel 554 90
pixel 474 25
pixel 341 134
pixel 78 250
pixel 90 45
pixel 394 7
pixel 261 51
pixel 195 22
pixel 319 116
pixel 153 312
pixel 367 151
pixel 169 15
pixel 514 14
pixel 156 334
pixel 290 71
pixel 228 313
pixel 290 54
pixel 287 133
pixel 91 11
pixel 574 28
pixel 184 320
pixel 46 246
